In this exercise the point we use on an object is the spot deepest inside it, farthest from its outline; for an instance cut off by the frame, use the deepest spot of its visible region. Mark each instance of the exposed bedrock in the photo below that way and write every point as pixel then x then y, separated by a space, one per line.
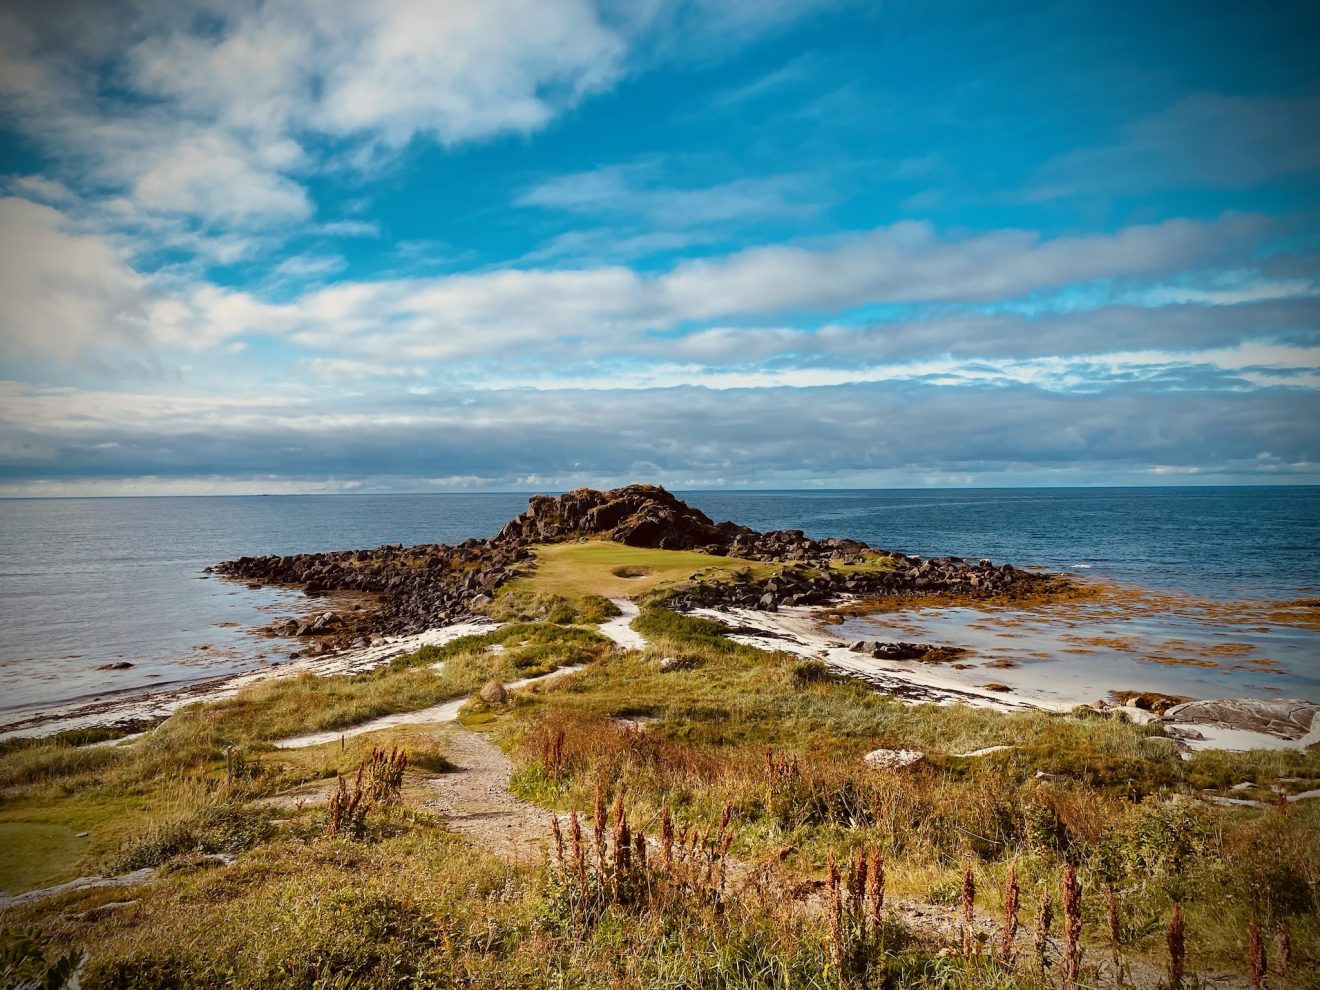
pixel 1286 718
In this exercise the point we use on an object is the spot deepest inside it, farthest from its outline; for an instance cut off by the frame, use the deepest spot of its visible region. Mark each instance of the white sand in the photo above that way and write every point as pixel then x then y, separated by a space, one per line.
pixel 446 711
pixel 619 628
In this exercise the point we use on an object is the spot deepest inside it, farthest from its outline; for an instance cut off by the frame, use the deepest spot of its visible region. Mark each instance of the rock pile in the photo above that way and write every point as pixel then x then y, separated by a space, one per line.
pixel 897 575
pixel 907 651
pixel 432 585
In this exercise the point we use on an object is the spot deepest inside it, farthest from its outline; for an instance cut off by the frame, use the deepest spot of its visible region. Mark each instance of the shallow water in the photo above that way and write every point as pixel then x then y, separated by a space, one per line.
pixel 87 582
pixel 1089 651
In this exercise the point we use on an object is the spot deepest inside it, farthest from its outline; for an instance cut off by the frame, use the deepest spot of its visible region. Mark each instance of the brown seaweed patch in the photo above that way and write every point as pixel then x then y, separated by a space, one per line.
pixel 1178 661
pixel 1001 664
pixel 1227 649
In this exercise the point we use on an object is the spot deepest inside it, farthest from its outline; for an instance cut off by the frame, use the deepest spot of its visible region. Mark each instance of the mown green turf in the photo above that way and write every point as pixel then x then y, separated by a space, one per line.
pixel 572 570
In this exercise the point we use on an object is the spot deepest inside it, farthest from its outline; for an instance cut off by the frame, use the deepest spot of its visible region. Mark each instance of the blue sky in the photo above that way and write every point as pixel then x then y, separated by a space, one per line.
pixel 323 246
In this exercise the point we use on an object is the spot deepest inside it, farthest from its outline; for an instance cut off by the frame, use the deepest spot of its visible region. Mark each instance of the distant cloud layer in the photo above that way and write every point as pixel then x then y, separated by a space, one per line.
pixel 330 246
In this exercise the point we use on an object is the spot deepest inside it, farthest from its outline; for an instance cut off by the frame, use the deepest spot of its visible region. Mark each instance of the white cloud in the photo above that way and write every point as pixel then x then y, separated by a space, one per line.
pixel 637 190
pixel 63 292
pixel 208 112
pixel 909 262
pixel 457 316
pixel 218 178
pixel 41 189
pixel 310 265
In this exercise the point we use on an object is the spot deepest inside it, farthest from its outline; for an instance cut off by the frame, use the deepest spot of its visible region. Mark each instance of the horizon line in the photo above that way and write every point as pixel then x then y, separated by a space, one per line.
pixel 1188 485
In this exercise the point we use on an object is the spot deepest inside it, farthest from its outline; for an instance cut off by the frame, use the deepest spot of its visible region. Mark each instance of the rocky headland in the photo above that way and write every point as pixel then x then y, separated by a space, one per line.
pixel 432 585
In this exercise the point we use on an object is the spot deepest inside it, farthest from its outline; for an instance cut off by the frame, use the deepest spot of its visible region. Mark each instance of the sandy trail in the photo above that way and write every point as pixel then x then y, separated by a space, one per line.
pixel 446 711
pixel 474 801
pixel 619 629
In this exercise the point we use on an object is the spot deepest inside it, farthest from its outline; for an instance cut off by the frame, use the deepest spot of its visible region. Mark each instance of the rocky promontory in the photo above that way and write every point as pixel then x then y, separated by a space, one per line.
pixel 430 585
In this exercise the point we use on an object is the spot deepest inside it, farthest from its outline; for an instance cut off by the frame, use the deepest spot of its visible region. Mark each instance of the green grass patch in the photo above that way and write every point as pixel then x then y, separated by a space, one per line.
pixel 612 570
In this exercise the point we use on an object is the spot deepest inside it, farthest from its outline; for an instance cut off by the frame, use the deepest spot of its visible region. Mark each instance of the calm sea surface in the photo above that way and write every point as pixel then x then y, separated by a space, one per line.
pixel 90 582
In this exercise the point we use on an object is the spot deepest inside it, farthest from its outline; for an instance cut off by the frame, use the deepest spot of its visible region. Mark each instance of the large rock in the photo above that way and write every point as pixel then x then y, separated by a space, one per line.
pixel 894 759
pixel 494 694
pixel 1285 718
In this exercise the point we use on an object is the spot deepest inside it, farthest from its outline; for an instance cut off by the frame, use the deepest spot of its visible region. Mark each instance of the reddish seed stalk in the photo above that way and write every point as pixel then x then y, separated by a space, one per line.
pixel 1115 932
pixel 667 836
pixel 1072 927
pixel 836 919
pixel 579 853
pixel 598 829
pixel 968 906
pixel 1011 892
pixel 875 893
pixel 1177 941
pixel 1256 963
pixel 1282 947
pixel 1044 918
pixel 857 887
pixel 559 841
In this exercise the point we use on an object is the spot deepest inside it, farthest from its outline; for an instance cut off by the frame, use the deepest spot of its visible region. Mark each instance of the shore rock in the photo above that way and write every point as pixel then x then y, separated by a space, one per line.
pixel 1286 718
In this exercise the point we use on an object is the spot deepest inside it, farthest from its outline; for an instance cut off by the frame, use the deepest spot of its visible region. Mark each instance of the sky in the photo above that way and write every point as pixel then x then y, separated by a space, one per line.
pixel 322 246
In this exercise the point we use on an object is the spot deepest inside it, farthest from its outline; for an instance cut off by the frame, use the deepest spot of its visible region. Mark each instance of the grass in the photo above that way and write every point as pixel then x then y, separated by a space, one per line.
pixel 771 738
pixel 612 570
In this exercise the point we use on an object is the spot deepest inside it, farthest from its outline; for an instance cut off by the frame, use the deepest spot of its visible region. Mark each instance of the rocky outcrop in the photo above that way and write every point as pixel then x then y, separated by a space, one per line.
pixel 1285 718
pixel 908 651
pixel 430 585
pixel 889 575
pixel 649 516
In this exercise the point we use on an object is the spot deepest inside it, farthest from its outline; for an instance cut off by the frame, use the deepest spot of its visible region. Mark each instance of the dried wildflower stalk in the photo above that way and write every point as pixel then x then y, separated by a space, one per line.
pixel 1044 918
pixel 1282 947
pixel 1115 932
pixel 1007 952
pixel 836 920
pixel 1177 942
pixel 968 898
pixel 1256 962
pixel 1072 927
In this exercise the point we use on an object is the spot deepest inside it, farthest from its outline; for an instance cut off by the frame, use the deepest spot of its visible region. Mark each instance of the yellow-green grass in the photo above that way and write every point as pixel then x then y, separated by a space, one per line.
pixel 575 570
pixel 39 833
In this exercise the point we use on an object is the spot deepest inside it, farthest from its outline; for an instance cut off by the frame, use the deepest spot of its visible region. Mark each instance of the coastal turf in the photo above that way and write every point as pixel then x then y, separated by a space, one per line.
pixel 612 570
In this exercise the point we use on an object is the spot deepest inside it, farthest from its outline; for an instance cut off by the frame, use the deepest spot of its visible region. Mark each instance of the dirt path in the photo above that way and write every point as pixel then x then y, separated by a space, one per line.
pixel 475 802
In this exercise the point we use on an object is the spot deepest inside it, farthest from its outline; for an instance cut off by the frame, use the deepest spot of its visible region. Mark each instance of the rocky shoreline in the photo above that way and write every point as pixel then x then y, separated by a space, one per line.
pixel 432 585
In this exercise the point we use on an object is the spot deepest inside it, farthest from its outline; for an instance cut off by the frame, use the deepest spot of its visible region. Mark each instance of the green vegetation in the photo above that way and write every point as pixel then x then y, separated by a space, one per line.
pixel 573 570
pixel 750 761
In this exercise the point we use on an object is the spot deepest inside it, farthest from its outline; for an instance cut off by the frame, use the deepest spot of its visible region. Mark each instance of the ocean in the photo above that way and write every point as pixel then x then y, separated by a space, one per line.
pixel 91 583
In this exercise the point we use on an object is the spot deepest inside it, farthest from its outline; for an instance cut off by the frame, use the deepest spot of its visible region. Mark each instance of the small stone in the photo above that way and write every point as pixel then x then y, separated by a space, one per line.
pixel 1042 775
pixel 494 694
